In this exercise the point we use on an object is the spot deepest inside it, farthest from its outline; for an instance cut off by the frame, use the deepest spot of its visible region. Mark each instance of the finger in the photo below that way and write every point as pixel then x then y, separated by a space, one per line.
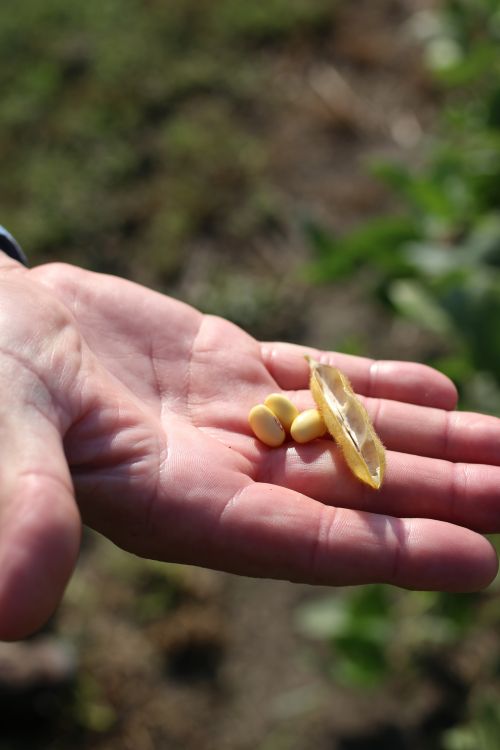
pixel 399 381
pixel 267 531
pixel 465 494
pixel 426 431
pixel 455 436
pixel 39 523
pixel 207 513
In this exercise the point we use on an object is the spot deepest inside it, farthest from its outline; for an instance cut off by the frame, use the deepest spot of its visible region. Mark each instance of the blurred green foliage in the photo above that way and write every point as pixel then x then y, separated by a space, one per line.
pixel 437 261
pixel 481 732
pixel 377 633
pixel 379 637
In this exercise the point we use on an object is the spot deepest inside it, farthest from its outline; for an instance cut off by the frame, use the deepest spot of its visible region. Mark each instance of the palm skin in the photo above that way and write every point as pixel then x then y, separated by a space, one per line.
pixel 128 410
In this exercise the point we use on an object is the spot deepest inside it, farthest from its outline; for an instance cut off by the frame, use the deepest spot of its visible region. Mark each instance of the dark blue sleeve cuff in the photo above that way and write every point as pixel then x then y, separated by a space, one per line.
pixel 10 246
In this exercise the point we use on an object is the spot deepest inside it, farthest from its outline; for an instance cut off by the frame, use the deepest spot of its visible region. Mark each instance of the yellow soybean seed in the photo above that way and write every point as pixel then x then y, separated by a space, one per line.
pixel 282 407
pixel 308 426
pixel 266 426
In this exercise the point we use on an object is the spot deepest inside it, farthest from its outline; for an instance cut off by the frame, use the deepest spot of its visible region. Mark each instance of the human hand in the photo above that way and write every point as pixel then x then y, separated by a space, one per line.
pixel 137 405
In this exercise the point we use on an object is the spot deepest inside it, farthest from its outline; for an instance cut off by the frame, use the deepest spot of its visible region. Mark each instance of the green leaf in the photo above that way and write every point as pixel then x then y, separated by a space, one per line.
pixel 432 259
pixel 378 241
pixel 360 661
pixel 322 618
pixel 412 300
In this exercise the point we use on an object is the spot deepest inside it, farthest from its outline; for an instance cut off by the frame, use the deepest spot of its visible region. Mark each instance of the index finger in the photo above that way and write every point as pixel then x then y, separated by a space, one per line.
pixel 274 532
pixel 399 381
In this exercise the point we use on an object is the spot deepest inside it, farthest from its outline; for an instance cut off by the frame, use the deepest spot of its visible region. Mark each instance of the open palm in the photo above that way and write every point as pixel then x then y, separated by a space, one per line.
pixel 137 405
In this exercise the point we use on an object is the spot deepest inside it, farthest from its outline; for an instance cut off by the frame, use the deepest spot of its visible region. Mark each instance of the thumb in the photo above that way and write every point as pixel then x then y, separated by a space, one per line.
pixel 40 526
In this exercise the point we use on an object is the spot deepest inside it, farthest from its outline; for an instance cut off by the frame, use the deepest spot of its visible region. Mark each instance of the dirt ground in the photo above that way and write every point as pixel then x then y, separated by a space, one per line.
pixel 180 659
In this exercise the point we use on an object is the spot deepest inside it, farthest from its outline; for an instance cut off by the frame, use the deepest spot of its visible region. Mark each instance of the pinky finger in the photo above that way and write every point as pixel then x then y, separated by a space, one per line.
pixel 400 381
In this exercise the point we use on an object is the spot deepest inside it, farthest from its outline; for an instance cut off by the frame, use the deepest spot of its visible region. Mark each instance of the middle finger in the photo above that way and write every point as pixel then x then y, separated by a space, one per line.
pixel 461 493
pixel 426 431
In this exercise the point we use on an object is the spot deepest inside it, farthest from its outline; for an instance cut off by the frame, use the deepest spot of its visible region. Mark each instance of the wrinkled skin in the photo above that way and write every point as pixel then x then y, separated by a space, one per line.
pixel 127 410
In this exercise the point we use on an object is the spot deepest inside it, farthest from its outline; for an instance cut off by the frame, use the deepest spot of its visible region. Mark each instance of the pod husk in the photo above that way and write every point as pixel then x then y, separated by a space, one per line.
pixel 348 423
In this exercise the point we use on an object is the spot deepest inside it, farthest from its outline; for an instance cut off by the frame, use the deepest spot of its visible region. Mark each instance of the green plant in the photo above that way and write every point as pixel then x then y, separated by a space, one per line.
pixel 481 730
pixel 438 260
pixel 376 633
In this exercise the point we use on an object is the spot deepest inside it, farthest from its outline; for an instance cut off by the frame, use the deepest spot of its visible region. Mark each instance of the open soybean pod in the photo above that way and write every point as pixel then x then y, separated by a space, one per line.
pixel 348 423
